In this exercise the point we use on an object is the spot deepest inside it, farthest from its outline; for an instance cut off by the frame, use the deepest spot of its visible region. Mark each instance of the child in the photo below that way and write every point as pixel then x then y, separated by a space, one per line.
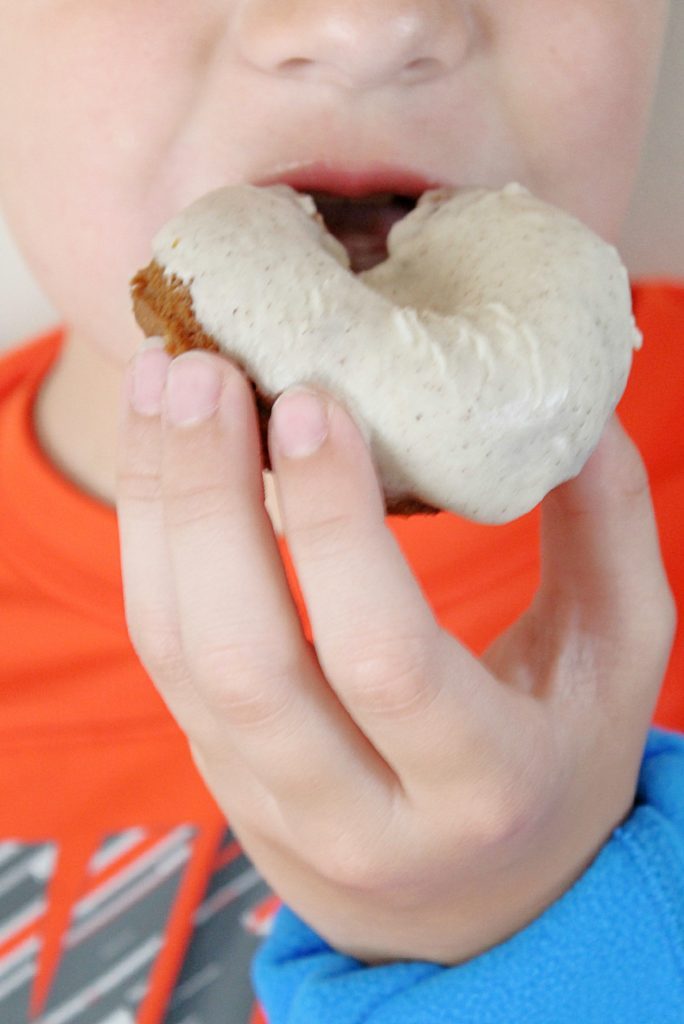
pixel 456 839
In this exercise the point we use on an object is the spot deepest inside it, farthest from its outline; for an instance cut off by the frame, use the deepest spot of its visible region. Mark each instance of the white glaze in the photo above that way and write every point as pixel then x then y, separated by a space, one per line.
pixel 482 359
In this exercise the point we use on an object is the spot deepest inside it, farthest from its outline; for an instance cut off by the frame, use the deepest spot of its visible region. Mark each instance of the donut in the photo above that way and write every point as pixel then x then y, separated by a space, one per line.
pixel 481 360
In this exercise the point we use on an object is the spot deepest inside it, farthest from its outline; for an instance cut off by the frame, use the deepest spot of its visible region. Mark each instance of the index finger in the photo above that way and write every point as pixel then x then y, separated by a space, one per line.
pixel 424 700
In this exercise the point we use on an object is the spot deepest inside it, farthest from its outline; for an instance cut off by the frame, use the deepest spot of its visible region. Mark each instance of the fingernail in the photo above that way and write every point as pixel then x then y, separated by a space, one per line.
pixel 299 422
pixel 193 389
pixel 148 376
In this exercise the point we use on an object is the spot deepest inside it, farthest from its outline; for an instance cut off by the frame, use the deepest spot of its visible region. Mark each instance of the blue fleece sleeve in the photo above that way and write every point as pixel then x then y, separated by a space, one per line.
pixel 610 949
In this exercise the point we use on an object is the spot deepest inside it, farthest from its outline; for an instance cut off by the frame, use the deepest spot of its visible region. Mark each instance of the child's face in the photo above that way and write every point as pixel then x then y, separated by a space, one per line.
pixel 116 113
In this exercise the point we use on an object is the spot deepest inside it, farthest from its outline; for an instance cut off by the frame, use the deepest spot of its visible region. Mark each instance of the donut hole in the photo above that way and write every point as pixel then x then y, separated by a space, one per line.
pixel 363 224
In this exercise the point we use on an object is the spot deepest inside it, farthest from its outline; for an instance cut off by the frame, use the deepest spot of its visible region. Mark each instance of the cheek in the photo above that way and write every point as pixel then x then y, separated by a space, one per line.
pixel 580 96
pixel 88 108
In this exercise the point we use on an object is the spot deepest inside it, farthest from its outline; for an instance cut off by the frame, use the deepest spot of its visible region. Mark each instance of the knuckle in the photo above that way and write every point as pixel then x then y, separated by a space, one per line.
pixel 323 537
pixel 348 863
pixel 137 487
pixel 650 623
pixel 507 801
pixel 345 852
pixel 190 504
pixel 391 676
pixel 249 689
pixel 499 813
pixel 158 646
pixel 633 477
pixel 655 632
pixel 670 615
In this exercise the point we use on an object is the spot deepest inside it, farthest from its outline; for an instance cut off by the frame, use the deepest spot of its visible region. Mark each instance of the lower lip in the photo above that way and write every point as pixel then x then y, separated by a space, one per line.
pixel 353 183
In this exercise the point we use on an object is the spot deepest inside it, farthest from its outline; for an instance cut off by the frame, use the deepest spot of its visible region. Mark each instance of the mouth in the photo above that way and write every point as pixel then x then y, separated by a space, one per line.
pixel 359 208
pixel 363 224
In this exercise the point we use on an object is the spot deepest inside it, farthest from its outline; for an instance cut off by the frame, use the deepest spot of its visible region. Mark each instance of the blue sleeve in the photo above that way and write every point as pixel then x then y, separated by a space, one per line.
pixel 610 949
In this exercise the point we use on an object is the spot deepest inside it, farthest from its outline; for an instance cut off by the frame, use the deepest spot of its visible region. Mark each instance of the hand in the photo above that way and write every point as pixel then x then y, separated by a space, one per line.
pixel 403 797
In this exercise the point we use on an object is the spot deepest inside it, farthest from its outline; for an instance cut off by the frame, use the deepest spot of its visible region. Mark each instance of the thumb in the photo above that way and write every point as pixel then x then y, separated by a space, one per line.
pixel 600 548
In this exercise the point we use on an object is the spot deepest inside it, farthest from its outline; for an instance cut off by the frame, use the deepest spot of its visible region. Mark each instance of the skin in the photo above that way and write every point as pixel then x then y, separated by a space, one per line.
pixel 127 116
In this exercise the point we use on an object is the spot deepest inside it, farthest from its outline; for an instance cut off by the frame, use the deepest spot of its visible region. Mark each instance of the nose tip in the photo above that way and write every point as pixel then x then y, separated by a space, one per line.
pixel 355 43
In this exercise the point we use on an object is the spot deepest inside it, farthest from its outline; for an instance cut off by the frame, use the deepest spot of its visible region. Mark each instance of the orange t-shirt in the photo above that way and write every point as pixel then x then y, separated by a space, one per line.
pixel 121 887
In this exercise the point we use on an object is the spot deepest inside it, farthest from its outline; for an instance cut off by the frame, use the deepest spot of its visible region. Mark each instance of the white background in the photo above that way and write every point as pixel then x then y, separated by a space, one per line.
pixel 653 242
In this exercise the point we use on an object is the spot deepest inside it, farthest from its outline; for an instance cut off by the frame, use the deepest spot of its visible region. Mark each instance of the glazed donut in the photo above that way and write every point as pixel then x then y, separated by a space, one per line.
pixel 481 359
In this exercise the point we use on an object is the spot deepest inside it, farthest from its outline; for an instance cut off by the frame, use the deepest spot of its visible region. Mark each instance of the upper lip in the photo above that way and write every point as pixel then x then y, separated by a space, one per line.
pixel 354 182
